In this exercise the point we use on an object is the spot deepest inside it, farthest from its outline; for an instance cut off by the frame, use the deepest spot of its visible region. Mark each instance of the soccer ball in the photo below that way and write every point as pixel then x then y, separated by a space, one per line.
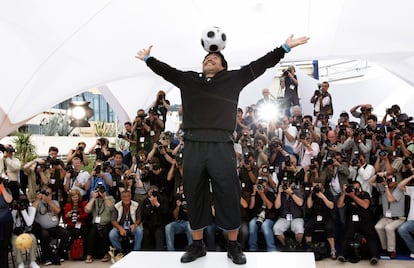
pixel 213 39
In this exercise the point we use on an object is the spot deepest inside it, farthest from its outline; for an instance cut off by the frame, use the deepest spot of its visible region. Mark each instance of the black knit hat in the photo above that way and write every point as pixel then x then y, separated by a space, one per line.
pixel 223 60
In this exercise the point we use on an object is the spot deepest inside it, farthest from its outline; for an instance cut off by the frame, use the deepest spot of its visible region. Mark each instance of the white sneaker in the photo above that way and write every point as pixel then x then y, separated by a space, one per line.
pixel 412 255
pixel 21 265
pixel 33 264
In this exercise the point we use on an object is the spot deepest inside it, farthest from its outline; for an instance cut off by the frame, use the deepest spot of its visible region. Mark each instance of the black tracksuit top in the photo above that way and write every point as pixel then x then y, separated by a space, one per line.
pixel 212 103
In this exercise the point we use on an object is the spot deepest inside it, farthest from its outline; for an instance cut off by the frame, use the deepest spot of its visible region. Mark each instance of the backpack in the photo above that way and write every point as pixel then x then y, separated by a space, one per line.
pixel 76 249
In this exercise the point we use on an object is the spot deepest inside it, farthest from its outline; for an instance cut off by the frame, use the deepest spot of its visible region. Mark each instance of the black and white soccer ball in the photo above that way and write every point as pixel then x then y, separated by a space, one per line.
pixel 213 39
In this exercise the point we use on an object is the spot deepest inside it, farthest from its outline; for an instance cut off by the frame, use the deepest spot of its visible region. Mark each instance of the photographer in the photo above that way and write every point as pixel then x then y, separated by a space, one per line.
pixel 180 224
pixel 322 100
pixel 305 148
pixel 79 152
pixel 139 170
pixel 101 150
pixel 394 112
pixel 47 226
pixel 359 220
pixel 38 174
pixel 404 143
pixel 289 82
pixel 76 178
pixel 319 204
pixel 161 105
pixel 157 175
pixel 142 131
pixel 288 169
pixel 6 222
pixel 75 216
pixel 23 217
pixel 365 111
pixel 248 172
pixel 131 140
pixel 289 200
pixel 262 206
pixel 260 151
pixel 392 199
pixel 155 123
pixel 406 230
pixel 99 175
pixel 154 215
pixel 100 206
pixel 118 172
pixel 11 170
pixel 126 222
pixel 363 171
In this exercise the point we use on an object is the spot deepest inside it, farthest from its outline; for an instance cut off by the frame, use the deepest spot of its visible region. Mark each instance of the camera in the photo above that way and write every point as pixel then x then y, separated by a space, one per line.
pixel 80 148
pixel 74 215
pixel 265 170
pixel 179 159
pixel 349 189
pixel 312 165
pixel 316 189
pixel 154 193
pixel 287 161
pixel 160 146
pixel 101 141
pixel 155 166
pixel 98 168
pixel 324 129
pixel 383 153
pixel 302 134
pixel 1 180
pixel 44 192
pixel 261 217
pixel 183 200
pixel 380 179
pixel 285 184
pixel 100 188
pixel 260 187
pixel 397 136
pixel 73 173
pixel 285 73
pixel 406 161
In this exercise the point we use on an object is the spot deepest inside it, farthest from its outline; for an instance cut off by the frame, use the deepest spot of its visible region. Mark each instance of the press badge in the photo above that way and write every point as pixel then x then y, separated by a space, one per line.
pixel 355 218
pixel 141 139
pixel 289 217
pixel 78 225
pixel 97 219
pixel 52 181
pixel 319 218
pixel 152 133
pixel 55 218
pixel 388 213
pixel 292 87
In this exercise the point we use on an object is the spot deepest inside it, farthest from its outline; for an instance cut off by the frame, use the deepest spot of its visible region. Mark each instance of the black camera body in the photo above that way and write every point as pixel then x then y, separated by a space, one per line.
pixel 349 189
pixel 380 179
pixel 383 153
pixel 406 161
pixel 316 189
pixel 100 188
pixel 44 192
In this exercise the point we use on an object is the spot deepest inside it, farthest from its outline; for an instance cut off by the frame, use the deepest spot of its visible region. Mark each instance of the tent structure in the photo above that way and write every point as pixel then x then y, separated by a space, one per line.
pixel 52 50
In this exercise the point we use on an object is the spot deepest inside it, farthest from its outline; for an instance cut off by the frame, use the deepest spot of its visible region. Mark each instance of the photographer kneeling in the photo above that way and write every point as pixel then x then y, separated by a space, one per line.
pixel 23 217
pixel 262 205
pixel 126 222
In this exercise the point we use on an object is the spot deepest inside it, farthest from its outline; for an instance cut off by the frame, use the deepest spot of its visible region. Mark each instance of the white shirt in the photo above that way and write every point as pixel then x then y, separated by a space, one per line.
pixel 82 178
pixel 364 174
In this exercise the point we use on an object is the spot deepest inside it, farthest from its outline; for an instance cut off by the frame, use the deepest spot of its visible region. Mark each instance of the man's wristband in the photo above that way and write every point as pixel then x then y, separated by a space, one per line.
pixel 286 48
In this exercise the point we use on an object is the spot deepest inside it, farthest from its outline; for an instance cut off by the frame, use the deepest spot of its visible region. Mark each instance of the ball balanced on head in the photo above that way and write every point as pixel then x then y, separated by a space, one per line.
pixel 213 39
pixel 24 241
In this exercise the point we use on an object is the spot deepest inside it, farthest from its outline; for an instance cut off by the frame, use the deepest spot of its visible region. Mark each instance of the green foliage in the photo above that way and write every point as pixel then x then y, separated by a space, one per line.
pixel 25 149
pixel 104 129
pixel 58 125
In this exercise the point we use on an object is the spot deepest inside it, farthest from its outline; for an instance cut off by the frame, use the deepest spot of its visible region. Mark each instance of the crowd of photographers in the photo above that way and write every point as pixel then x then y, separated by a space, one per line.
pixel 299 175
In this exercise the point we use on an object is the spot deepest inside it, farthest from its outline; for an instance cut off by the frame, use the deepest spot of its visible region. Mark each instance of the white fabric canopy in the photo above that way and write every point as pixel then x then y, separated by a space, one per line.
pixel 52 50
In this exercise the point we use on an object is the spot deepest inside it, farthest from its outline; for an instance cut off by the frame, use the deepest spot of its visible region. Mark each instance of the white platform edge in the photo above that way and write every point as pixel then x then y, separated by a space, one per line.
pixel 155 259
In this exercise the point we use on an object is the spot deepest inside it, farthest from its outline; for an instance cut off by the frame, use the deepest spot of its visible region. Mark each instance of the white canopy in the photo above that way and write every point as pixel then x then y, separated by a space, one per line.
pixel 52 50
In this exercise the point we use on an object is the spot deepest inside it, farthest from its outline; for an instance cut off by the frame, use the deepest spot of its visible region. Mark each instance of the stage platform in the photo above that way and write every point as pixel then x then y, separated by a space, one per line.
pixel 155 259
